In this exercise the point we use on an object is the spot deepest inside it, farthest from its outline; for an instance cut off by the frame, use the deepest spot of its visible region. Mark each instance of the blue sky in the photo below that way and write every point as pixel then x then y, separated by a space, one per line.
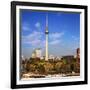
pixel 64 32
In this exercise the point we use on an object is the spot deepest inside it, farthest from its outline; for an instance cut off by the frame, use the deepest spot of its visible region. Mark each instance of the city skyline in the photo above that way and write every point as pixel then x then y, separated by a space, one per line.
pixel 64 32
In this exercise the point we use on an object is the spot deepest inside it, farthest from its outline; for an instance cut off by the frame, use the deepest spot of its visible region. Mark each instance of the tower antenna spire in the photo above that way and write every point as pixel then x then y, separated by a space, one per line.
pixel 46 23
pixel 47 20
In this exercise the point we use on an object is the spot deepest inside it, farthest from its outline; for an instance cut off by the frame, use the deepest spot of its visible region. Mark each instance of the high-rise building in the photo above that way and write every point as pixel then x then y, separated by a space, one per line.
pixel 78 55
pixel 36 53
pixel 46 33
pixel 33 54
pixel 78 52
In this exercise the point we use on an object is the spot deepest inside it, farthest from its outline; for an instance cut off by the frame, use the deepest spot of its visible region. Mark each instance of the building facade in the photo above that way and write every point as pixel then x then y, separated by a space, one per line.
pixel 78 55
pixel 36 53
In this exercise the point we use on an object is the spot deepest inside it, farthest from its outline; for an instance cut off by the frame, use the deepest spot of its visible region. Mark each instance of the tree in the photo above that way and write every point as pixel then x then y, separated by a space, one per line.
pixel 40 68
pixel 72 67
pixel 48 67
pixel 32 67
pixel 58 67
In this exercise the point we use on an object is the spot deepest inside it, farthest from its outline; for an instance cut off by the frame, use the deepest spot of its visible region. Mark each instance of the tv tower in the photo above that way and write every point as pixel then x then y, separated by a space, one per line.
pixel 46 33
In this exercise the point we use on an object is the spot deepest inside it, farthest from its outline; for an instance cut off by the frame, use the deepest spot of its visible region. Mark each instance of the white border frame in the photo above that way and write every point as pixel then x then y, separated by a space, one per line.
pixel 49 80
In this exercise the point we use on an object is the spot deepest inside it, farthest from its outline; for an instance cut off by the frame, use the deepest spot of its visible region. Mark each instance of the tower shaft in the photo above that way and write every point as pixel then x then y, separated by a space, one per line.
pixel 46 33
pixel 46 54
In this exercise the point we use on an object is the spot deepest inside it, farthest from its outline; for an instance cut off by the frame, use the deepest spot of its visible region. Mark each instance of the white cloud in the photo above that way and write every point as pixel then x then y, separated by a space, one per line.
pixel 37 25
pixel 75 38
pixel 25 26
pixel 56 35
pixel 33 38
pixel 55 38
pixel 54 42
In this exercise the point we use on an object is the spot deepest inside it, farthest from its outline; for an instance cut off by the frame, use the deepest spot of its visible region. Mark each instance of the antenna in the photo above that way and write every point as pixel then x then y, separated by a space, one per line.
pixel 47 20
pixel 46 32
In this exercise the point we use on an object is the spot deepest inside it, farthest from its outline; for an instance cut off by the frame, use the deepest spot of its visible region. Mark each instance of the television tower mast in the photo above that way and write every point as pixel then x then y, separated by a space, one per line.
pixel 46 33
